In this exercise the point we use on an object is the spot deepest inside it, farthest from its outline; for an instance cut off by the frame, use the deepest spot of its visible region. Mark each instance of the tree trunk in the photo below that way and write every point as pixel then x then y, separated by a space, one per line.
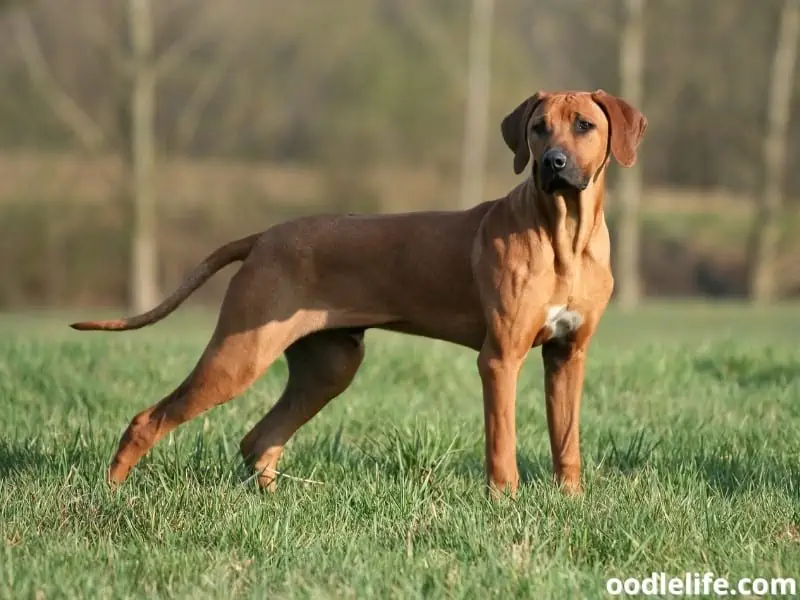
pixel 143 282
pixel 766 228
pixel 631 66
pixel 476 117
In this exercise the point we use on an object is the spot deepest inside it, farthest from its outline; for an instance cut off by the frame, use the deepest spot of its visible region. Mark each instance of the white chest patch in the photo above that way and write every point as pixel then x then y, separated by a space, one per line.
pixel 562 322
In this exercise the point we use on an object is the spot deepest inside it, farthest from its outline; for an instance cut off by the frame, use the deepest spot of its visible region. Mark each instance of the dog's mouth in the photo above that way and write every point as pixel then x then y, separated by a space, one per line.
pixel 563 183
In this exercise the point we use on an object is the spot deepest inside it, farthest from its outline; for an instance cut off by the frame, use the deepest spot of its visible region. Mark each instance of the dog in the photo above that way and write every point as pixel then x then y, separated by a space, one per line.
pixel 527 270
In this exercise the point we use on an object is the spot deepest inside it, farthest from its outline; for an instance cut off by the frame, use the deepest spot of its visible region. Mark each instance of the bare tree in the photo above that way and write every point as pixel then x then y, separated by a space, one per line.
pixel 145 71
pixel 476 115
pixel 766 230
pixel 143 286
pixel 631 65
pixel 89 134
pixel 417 16
pixel 139 70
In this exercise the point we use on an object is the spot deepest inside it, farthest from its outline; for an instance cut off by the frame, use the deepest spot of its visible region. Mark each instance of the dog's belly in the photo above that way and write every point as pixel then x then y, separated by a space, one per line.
pixel 406 273
pixel 464 331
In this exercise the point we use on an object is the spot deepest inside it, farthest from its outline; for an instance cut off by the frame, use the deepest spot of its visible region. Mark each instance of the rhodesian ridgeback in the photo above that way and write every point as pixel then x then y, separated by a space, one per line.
pixel 530 269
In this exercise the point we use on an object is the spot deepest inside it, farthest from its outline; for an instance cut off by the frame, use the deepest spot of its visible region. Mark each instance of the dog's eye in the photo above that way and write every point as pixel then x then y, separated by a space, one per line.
pixel 583 125
pixel 540 128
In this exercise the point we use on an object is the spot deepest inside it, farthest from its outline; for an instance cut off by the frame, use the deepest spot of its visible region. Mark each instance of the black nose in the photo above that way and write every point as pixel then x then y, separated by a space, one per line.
pixel 555 160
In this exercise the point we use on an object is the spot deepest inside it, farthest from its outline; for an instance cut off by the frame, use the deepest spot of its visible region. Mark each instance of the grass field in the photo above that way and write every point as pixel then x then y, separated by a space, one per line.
pixel 691 445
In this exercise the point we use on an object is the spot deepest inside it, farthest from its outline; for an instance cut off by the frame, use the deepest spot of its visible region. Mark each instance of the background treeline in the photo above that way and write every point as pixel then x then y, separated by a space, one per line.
pixel 137 135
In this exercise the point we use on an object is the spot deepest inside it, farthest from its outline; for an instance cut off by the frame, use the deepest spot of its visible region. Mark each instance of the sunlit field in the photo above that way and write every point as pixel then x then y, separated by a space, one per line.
pixel 691 447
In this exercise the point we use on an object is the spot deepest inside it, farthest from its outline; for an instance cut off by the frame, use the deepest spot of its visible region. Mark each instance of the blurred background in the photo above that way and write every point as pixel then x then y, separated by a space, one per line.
pixel 137 135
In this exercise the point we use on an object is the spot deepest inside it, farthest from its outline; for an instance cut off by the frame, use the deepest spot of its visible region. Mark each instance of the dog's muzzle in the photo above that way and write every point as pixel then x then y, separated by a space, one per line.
pixel 559 172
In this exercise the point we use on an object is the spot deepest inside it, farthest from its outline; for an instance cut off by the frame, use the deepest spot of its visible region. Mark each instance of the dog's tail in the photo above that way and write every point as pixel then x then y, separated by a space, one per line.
pixel 234 251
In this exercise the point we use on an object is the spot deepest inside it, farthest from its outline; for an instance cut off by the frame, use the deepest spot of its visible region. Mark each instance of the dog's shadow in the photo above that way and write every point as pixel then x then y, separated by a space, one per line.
pixel 729 475
pixel 747 373
pixel 727 469
pixel 23 458
pixel 31 459
pixel 531 470
pixel 726 473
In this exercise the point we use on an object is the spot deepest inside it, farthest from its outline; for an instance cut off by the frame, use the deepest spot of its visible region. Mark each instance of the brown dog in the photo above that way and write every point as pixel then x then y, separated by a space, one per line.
pixel 503 277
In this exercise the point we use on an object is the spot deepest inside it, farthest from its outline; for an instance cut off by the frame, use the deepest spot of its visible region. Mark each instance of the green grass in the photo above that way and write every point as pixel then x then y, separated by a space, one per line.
pixel 691 444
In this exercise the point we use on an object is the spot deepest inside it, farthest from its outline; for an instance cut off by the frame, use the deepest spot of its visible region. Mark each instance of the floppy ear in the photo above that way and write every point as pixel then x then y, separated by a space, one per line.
pixel 626 126
pixel 515 131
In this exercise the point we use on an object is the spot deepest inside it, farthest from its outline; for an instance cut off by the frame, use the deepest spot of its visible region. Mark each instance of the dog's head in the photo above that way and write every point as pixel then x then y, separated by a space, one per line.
pixel 570 136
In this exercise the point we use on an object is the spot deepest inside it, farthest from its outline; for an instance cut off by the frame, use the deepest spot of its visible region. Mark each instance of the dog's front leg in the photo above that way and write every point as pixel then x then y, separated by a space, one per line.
pixel 564 366
pixel 499 373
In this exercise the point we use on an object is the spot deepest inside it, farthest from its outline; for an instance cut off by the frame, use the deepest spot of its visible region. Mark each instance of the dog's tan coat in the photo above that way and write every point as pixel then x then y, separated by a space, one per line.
pixel 530 269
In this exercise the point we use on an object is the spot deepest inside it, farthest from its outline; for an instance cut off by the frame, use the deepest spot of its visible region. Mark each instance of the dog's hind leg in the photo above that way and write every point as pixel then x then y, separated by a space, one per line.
pixel 250 334
pixel 321 366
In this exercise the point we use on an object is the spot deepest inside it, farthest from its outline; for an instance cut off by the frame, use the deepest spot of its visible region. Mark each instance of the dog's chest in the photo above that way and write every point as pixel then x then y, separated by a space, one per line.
pixel 562 321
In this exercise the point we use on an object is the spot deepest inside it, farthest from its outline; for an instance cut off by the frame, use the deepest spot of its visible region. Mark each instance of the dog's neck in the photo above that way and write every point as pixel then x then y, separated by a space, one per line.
pixel 570 218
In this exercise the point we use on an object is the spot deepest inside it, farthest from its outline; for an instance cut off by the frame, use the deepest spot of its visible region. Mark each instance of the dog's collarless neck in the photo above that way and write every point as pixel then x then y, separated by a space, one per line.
pixel 569 220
